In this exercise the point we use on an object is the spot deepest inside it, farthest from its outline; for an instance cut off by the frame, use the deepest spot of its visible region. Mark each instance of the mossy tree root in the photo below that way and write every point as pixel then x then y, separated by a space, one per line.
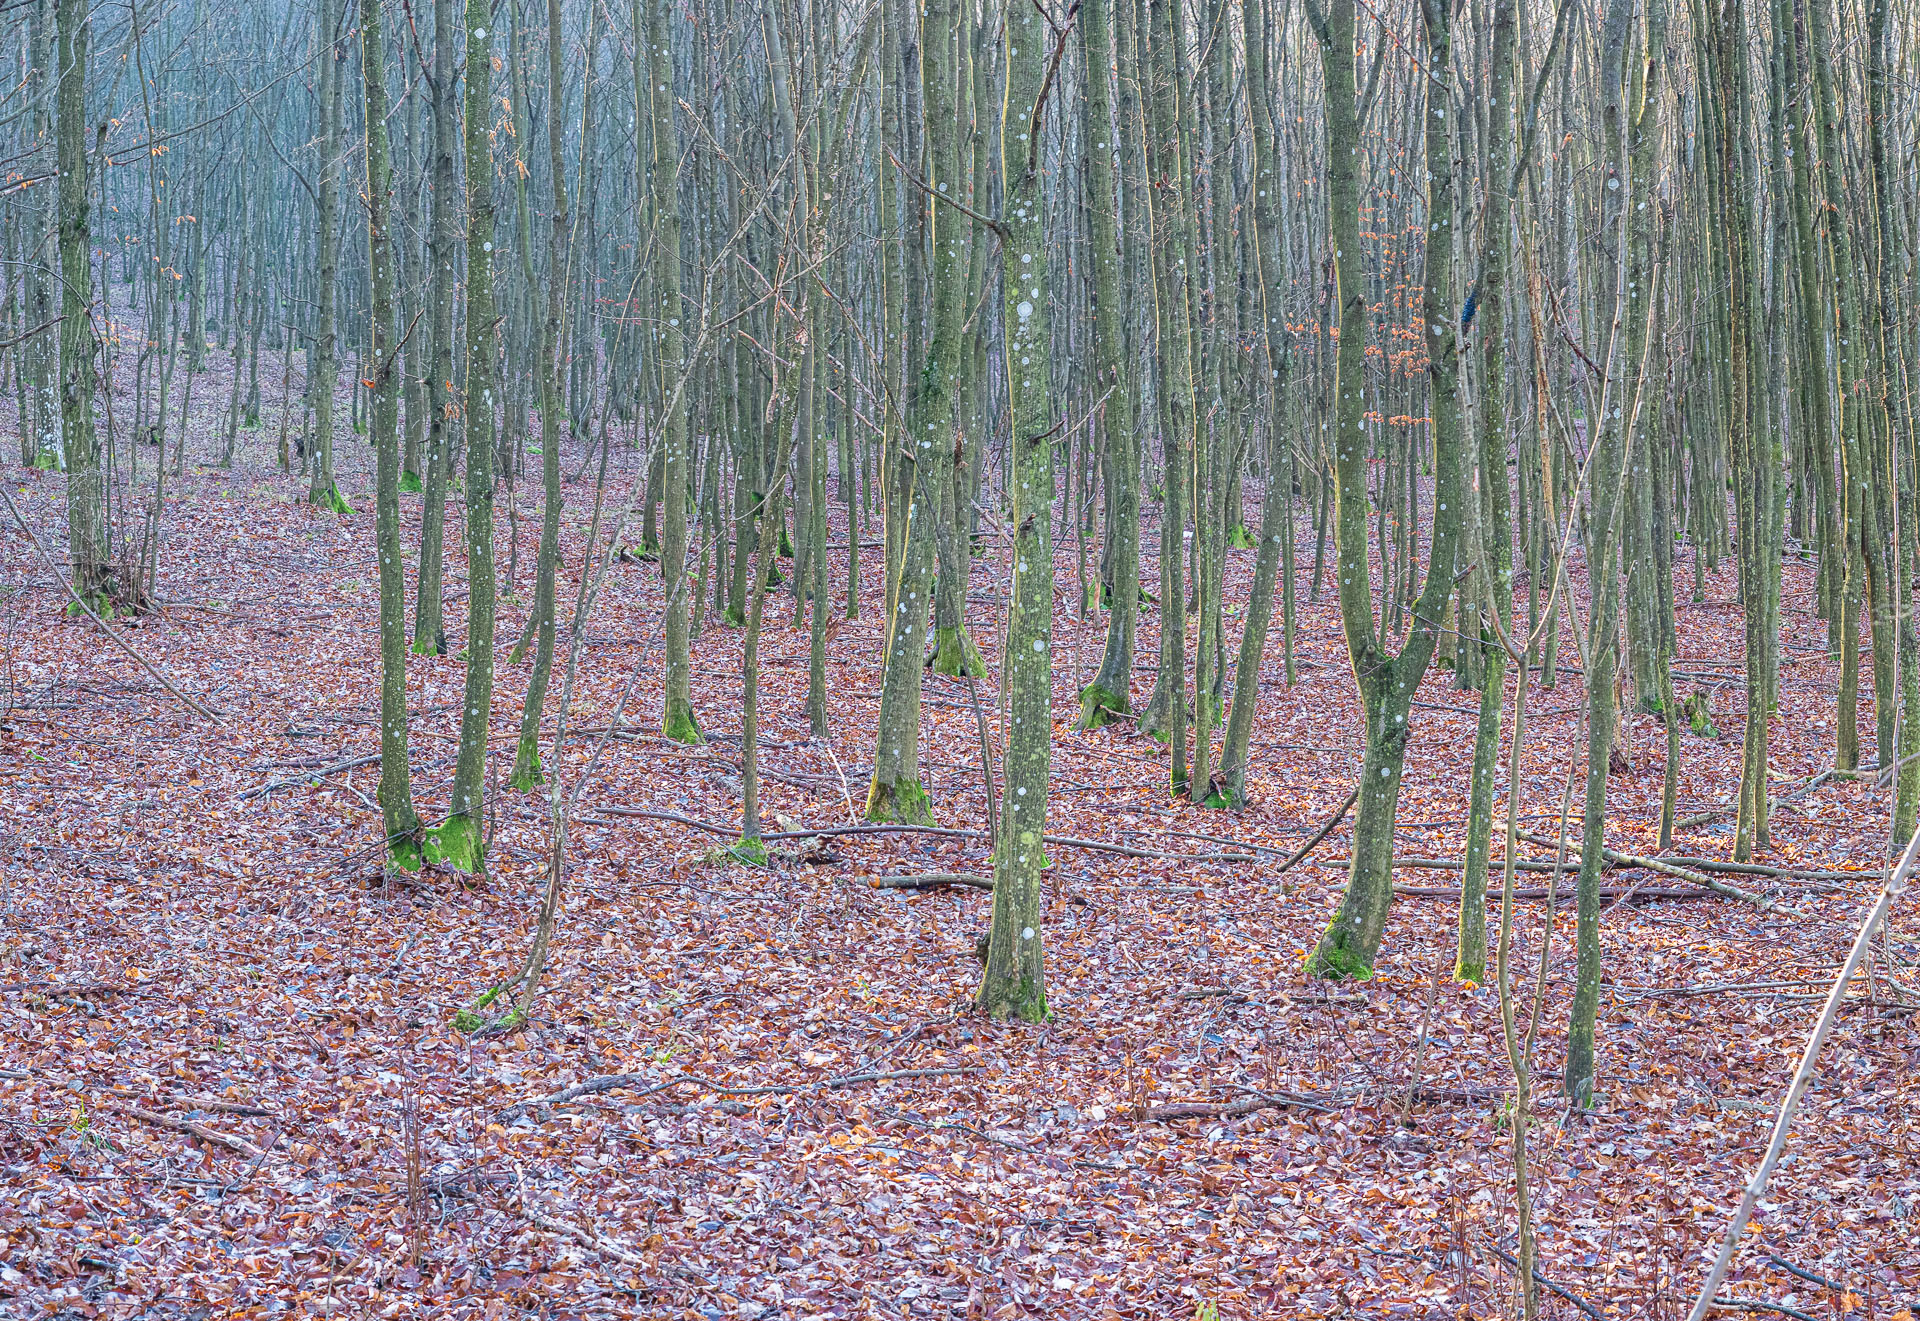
pixel 955 655
pixel 903 801
pixel 1099 706
pixel 459 843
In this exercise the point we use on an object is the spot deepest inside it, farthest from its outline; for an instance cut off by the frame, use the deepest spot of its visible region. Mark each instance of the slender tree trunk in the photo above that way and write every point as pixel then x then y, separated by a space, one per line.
pixel 396 791
pixel 87 548
pixel 1274 361
pixel 1602 541
pixel 1014 983
pixel 677 719
pixel 1387 682
pixel 1110 693
pixel 1166 712
pixel 460 841
pixel 1470 958
pixel 429 614
pixel 896 792
pixel 323 357
pixel 527 771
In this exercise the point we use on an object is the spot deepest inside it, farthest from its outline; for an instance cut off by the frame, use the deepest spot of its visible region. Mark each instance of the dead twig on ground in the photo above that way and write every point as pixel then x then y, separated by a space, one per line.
pixel 641 1085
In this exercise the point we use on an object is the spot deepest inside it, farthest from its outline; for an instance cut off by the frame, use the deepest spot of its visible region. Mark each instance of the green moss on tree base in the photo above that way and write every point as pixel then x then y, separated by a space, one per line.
pixel 410 482
pixel 1333 961
pixel 903 801
pixel 1239 538
pixel 955 655
pixel 403 851
pixel 527 775
pixel 1699 716
pixel 1472 973
pixel 1027 1002
pixel 471 1019
pixel 331 500
pixel 102 606
pixel 458 843
pixel 679 724
pixel 750 851
pixel 1100 706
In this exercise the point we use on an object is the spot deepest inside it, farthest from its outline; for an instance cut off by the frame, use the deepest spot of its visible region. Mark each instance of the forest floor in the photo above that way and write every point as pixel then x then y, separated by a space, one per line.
pixel 196 932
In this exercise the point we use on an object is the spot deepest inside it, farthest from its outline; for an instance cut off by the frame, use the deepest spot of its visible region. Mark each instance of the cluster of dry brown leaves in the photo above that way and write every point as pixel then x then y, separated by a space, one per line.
pixel 181 949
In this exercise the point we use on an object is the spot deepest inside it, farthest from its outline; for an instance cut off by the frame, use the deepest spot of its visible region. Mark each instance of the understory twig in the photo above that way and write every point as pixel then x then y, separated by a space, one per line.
pixel 1560 1289
pixel 321 773
pixel 1762 1305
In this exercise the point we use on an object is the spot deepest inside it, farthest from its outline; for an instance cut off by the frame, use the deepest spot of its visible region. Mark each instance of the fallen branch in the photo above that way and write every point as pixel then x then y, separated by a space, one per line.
pixel 1760 901
pixel 1778 873
pixel 1453 864
pixel 207 1103
pixel 1230 1109
pixel 351 763
pixel 711 829
pixel 1292 997
pixel 929 881
pixel 1540 892
pixel 606 1247
pixel 1761 1305
pixel 118 641
pixel 1701 818
pixel 953 832
pixel 1803 1075
pixel 67 988
pixel 1323 832
pixel 640 1085
pixel 252 1165
pixel 241 1145
pixel 938 1126
pixel 1323 1102
pixel 1814 1277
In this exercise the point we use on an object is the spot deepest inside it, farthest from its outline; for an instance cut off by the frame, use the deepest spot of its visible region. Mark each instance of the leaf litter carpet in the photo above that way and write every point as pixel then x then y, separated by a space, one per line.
pixel 230 1084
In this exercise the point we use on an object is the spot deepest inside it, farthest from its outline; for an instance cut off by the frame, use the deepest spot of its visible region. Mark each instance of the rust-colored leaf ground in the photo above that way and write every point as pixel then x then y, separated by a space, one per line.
pixel 180 943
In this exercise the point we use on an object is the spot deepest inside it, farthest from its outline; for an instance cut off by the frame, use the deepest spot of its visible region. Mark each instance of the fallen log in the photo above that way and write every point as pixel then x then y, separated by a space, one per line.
pixel 1246 1105
pixel 929 881
pixel 200 1131
pixel 1539 892
pixel 642 1086
pixel 1322 833
pixel 1760 901
pixel 952 832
